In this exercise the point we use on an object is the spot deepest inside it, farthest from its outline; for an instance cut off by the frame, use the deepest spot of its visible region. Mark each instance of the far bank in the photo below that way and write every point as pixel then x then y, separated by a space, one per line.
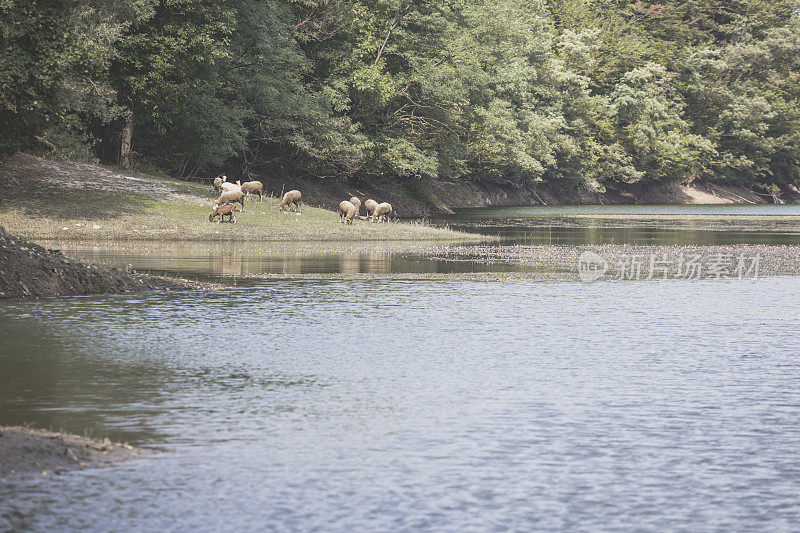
pixel 425 197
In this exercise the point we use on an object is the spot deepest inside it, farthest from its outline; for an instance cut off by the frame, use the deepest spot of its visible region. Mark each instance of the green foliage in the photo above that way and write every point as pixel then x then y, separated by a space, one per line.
pixel 597 92
pixel 54 63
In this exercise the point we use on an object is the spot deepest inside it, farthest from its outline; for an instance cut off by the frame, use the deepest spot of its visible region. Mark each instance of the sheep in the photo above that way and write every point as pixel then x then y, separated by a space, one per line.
pixel 218 181
pixel 383 211
pixel 291 198
pixel 356 202
pixel 346 212
pixel 253 187
pixel 370 206
pixel 222 210
pixel 228 187
pixel 230 197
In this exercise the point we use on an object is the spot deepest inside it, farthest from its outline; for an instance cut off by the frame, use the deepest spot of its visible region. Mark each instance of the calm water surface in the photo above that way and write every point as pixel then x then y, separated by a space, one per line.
pixel 386 405
pixel 634 224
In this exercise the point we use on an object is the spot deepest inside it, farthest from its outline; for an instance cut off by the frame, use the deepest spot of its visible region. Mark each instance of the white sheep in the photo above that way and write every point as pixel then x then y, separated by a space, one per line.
pixel 370 206
pixel 253 187
pixel 230 197
pixel 356 202
pixel 346 212
pixel 292 197
pixel 228 186
pixel 383 211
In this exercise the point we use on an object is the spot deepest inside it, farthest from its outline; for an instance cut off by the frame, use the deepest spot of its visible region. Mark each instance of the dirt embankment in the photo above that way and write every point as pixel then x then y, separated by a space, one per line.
pixel 434 196
pixel 484 193
pixel 28 270
pixel 36 451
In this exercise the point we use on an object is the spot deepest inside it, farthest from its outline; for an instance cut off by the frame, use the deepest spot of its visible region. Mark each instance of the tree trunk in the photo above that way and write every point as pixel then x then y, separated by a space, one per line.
pixel 127 139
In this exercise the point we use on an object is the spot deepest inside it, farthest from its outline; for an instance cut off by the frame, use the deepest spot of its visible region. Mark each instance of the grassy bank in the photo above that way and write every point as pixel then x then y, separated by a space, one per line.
pixel 54 200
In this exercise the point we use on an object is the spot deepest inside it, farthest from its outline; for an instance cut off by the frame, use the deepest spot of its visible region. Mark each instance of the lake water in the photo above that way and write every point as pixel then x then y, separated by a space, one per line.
pixel 396 405
pixel 634 224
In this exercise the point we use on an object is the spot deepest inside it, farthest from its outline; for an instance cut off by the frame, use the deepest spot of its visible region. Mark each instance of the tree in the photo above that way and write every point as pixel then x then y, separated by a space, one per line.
pixel 54 66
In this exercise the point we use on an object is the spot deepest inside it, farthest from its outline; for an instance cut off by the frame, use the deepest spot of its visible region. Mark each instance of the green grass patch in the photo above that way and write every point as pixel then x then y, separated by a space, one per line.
pixel 41 210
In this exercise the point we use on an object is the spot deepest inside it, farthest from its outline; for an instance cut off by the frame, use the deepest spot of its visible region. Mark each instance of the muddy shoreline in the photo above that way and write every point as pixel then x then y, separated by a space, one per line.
pixel 28 270
pixel 28 451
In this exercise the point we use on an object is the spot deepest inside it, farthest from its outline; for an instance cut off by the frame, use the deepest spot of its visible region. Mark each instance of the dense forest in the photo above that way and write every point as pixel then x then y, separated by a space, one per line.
pixel 512 91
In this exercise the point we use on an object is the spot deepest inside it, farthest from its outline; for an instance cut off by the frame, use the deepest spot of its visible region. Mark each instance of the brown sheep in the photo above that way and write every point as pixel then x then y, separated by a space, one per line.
pixel 253 187
pixel 383 211
pixel 346 212
pixel 222 210
pixel 370 206
pixel 230 197
pixel 292 197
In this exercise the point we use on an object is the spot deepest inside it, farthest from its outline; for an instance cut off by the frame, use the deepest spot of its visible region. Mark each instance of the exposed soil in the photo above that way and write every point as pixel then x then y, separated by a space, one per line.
pixel 422 197
pixel 35 451
pixel 30 171
pixel 28 270
pixel 483 193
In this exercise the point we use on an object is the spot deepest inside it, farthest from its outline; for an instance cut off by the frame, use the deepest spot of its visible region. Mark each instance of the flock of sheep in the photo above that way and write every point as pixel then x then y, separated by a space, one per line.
pixel 235 193
pixel 350 209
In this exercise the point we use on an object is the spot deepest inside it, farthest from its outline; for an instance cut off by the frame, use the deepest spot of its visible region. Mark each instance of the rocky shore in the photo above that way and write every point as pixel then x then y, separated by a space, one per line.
pixel 28 270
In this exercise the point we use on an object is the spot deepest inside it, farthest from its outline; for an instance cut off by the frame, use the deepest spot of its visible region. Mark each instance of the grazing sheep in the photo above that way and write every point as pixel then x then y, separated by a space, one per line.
pixel 370 206
pixel 356 202
pixel 253 187
pixel 346 212
pixel 383 211
pixel 228 187
pixel 222 210
pixel 292 197
pixel 230 197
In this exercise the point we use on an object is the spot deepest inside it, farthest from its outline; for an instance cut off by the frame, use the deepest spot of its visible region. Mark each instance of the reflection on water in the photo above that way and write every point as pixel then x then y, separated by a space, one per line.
pixel 633 224
pixel 532 226
pixel 395 405
pixel 654 210
pixel 207 262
